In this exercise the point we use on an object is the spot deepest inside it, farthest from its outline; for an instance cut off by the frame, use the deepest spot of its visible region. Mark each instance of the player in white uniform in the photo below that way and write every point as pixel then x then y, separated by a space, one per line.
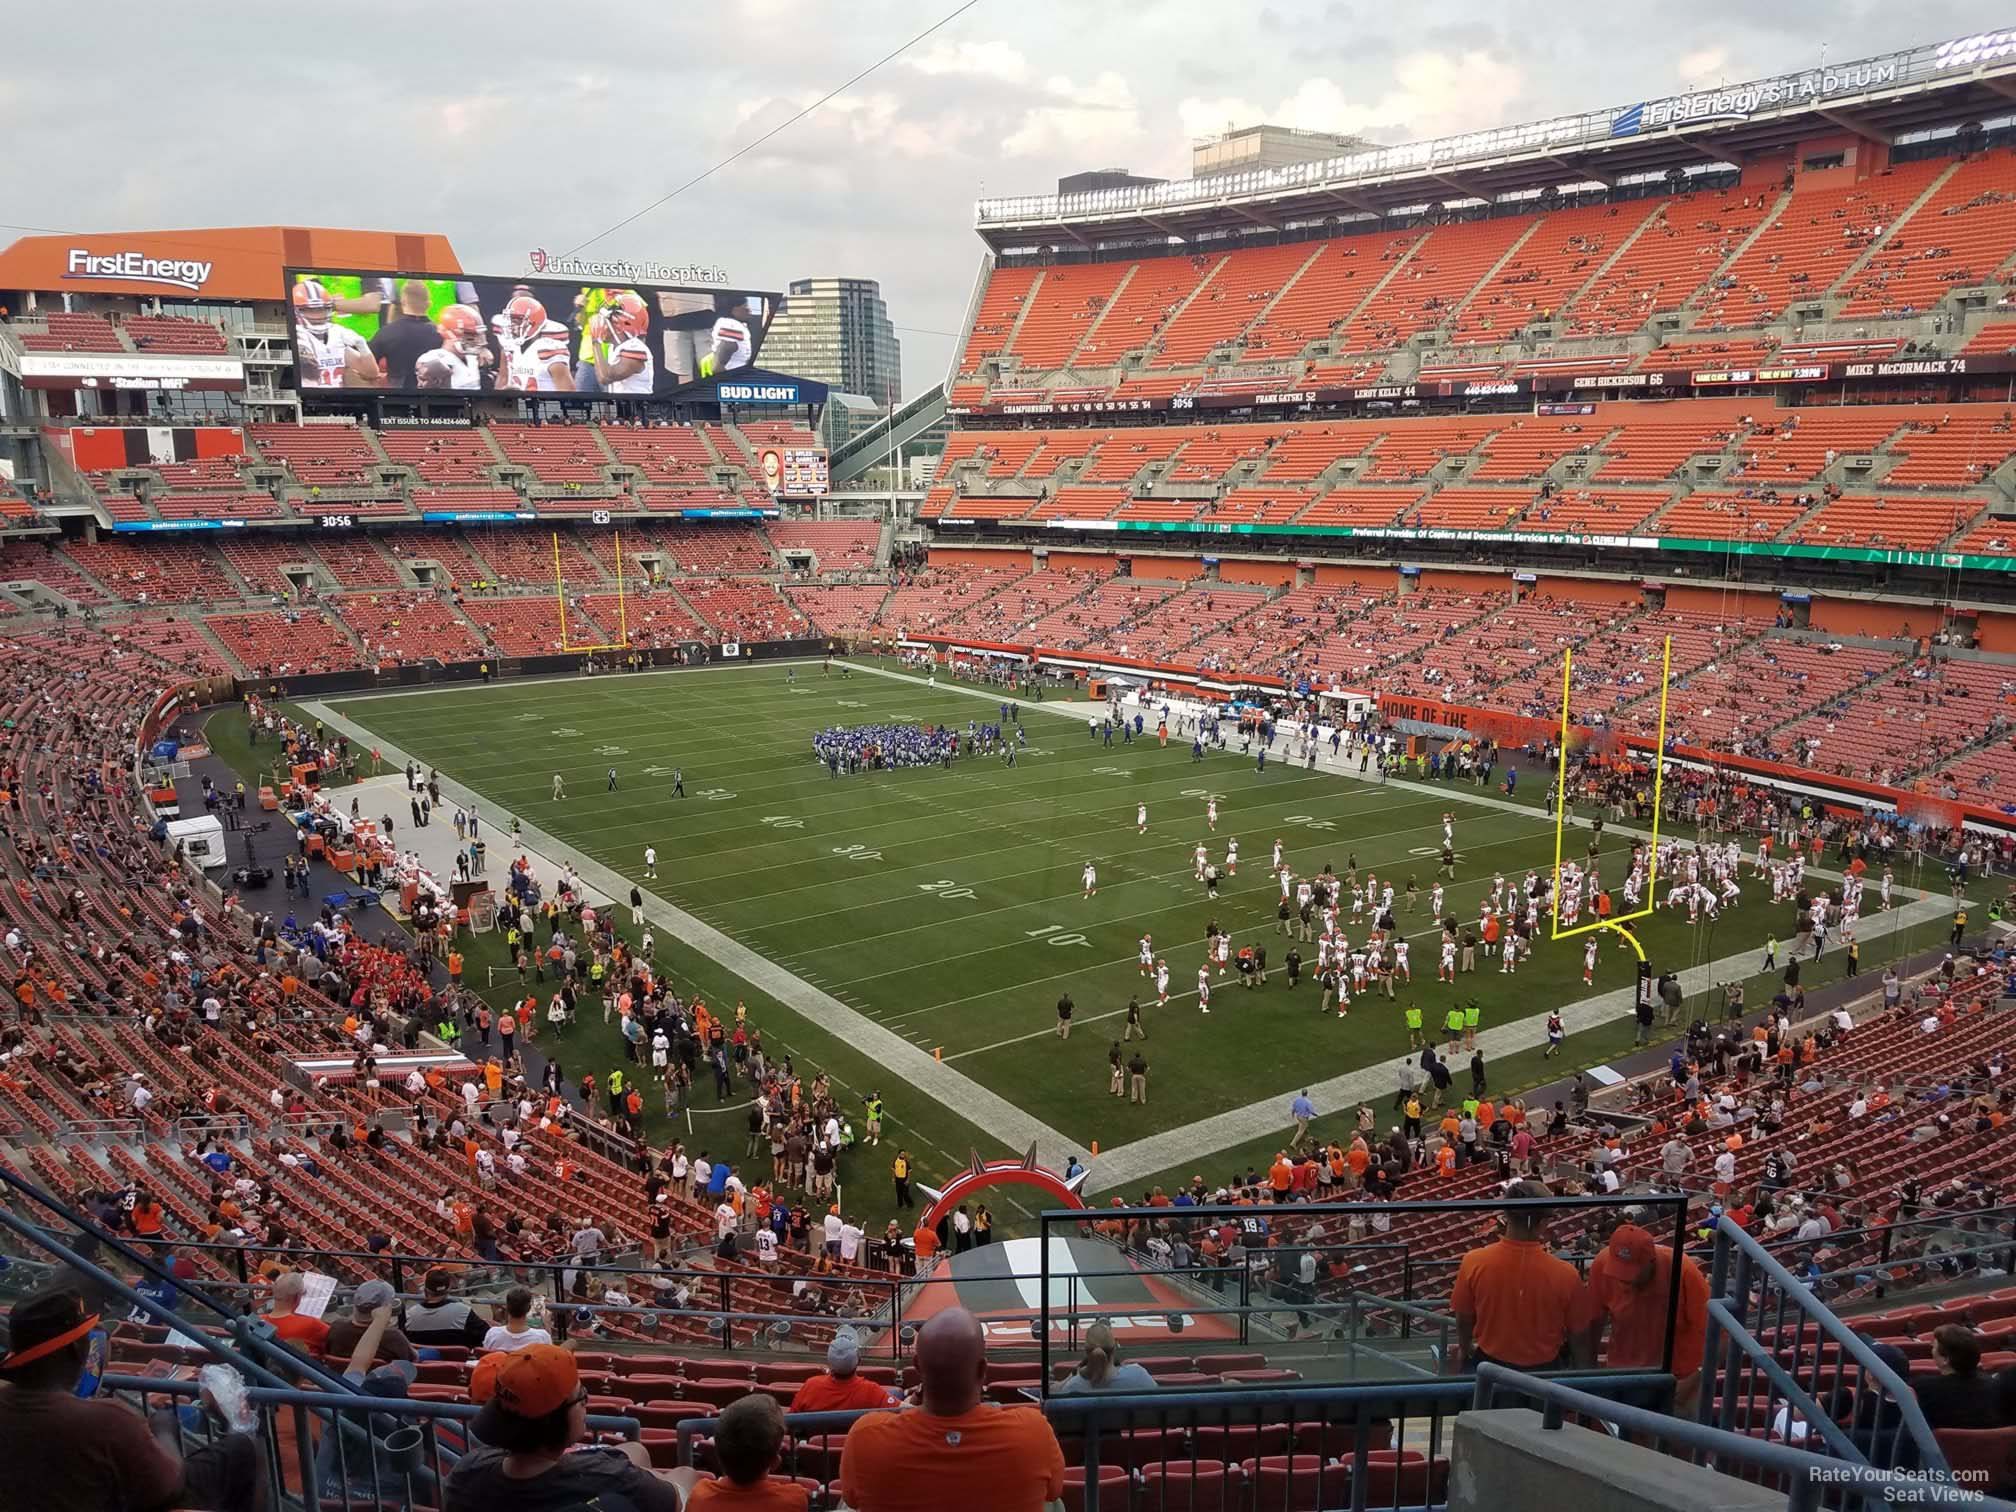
pixel 1140 818
pixel 534 348
pixel 1279 852
pixel 1162 983
pixel 618 338
pixel 1232 857
pixel 1222 948
pixel 459 361
pixel 1400 967
pixel 730 344
pixel 1589 962
pixel 1211 812
pixel 1204 988
pixel 1199 858
pixel 1435 901
pixel 1147 955
pixel 1091 879
pixel 1445 970
pixel 330 355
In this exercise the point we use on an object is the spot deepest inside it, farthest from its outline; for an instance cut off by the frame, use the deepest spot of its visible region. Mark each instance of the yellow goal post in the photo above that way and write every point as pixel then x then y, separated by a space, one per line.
pixel 1615 922
pixel 567 642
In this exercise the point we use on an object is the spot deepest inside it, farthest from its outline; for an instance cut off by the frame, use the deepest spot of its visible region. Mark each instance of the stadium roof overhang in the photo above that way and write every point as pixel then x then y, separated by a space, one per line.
pixel 1880 100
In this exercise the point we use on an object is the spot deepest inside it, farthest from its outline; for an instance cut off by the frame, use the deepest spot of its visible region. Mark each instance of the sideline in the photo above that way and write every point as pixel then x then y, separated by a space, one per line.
pixel 1196 1142
pixel 1016 1129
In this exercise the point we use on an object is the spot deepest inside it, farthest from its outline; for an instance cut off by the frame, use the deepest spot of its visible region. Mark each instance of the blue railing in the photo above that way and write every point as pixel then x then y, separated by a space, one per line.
pixel 1373 1446
pixel 1809 1480
pixel 369 1452
pixel 1808 1367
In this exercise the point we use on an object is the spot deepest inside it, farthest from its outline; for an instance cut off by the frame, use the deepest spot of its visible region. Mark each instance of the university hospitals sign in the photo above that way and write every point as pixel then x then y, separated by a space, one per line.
pixel 622 271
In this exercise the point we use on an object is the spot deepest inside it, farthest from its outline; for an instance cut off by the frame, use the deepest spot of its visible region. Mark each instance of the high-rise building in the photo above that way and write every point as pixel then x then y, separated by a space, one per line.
pixel 837 330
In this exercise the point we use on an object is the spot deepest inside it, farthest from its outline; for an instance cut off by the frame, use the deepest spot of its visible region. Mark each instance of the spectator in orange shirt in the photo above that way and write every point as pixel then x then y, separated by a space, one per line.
pixel 955 1448
pixel 309 1335
pixel 840 1389
pixel 1516 1304
pixel 748 1445
pixel 1281 1176
pixel 1630 1287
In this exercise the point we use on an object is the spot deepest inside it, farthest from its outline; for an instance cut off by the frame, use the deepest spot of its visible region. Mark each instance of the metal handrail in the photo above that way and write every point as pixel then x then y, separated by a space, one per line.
pixel 1811 1476
pixel 1674 1206
pixel 1726 1323
pixel 255 1348
pixel 358 1464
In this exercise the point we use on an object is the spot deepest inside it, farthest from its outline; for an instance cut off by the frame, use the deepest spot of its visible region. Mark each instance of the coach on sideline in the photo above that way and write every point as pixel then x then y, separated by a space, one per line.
pixel 1515 1304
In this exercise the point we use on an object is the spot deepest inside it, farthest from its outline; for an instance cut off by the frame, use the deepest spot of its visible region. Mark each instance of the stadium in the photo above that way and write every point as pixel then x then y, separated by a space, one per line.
pixel 1437 708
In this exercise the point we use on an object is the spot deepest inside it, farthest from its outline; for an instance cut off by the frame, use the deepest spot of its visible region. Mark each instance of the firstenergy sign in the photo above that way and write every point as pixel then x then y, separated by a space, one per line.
pixel 137 267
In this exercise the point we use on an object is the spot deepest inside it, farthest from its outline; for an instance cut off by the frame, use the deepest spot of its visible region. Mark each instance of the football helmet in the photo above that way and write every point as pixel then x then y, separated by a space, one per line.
pixel 524 318
pixel 461 330
pixel 627 315
pixel 313 304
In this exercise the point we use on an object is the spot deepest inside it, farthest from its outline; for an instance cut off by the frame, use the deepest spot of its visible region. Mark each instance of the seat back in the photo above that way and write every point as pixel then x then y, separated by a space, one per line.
pixel 1983 1459
pixel 1112 1487
pixel 1404 1478
pixel 1190 1486
pixel 1296 1483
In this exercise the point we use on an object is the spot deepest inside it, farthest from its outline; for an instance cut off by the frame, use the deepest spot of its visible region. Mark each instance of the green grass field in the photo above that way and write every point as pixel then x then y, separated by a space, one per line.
pixel 947 904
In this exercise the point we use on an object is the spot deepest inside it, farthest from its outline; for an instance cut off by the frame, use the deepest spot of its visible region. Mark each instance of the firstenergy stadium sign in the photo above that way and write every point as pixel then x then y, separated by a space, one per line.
pixel 87 266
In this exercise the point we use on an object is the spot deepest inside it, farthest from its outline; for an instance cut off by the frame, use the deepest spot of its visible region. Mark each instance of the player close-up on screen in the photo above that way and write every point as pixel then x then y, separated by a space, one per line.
pixel 413 335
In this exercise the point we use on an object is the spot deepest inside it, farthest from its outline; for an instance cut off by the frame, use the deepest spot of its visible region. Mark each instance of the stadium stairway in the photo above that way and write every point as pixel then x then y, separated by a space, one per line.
pixel 1287 284
pixel 1617 254
pixel 1835 295
pixel 210 638
pixel 476 628
pixel 236 578
pixel 1454 317
pixel 1378 289
pixel 1692 309
pixel 1092 326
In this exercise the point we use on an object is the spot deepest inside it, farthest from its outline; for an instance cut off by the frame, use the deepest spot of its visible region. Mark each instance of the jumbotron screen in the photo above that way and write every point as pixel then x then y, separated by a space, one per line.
pixel 418 336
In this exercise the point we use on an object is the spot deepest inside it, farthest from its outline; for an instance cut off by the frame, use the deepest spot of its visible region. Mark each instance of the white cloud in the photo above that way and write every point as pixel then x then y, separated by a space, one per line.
pixel 880 183
pixel 1091 122
pixel 993 60
pixel 1707 65
pixel 1427 93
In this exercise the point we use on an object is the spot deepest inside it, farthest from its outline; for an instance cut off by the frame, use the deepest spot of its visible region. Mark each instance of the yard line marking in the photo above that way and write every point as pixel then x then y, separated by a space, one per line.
pixel 1126 1165
pixel 1013 1127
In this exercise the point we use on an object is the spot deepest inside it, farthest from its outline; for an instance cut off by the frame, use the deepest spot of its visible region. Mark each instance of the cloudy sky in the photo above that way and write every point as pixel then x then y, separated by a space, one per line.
pixel 508 126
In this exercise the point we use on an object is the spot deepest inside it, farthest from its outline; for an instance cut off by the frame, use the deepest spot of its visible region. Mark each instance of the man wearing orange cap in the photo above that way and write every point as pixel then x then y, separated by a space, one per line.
pixel 1631 1287
pixel 535 1411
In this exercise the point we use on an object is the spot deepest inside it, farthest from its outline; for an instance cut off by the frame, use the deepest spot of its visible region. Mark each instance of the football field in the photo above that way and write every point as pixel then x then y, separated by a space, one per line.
pixel 947 906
